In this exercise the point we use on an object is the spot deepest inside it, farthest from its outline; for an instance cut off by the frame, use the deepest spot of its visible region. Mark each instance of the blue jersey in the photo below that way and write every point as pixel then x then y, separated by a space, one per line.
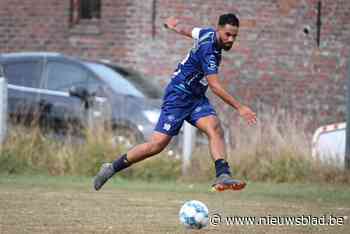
pixel 202 60
pixel 184 98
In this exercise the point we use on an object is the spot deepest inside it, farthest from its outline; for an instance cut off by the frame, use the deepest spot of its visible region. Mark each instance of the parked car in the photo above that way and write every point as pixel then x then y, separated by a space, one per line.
pixel 65 94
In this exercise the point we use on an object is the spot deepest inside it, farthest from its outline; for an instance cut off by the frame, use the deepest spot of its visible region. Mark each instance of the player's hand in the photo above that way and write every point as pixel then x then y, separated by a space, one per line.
pixel 248 115
pixel 171 22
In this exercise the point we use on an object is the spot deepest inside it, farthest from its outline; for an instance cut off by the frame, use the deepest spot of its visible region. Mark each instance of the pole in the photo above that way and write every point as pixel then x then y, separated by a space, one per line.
pixel 3 106
pixel 319 23
pixel 188 142
pixel 347 148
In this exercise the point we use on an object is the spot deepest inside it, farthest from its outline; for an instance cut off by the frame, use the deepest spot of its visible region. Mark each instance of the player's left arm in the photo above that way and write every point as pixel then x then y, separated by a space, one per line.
pixel 174 24
pixel 244 111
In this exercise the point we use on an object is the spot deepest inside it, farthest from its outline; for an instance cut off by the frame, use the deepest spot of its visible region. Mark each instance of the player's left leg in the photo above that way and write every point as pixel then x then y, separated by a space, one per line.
pixel 210 125
pixel 204 118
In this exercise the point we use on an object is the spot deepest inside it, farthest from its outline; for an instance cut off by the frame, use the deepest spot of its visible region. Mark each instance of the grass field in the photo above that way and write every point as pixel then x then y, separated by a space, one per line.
pixel 39 204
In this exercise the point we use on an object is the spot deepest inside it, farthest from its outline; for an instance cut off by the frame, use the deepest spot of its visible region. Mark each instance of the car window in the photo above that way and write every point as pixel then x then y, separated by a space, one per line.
pixel 62 76
pixel 25 74
pixel 97 86
pixel 117 82
pixel 145 84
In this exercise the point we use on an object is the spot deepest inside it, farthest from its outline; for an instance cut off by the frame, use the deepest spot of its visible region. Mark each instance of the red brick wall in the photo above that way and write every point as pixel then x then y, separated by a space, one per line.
pixel 273 62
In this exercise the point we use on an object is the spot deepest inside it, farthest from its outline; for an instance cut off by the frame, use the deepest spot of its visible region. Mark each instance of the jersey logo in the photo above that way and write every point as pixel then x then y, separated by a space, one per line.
pixel 212 63
pixel 166 126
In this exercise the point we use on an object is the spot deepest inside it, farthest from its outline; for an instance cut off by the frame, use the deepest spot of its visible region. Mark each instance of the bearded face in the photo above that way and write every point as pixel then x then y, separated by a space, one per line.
pixel 227 36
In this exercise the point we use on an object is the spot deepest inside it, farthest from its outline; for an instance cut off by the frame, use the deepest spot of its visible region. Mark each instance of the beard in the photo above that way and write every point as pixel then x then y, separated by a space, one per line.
pixel 227 46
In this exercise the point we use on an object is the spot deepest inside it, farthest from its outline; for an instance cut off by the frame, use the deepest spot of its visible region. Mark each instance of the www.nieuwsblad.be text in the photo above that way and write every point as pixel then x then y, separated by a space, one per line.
pixel 302 220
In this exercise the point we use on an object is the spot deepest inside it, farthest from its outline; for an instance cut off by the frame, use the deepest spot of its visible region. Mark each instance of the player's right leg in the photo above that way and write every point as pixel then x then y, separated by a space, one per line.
pixel 155 145
pixel 175 109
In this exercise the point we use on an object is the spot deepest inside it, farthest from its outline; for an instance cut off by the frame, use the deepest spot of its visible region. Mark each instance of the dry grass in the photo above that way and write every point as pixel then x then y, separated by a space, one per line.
pixel 277 149
pixel 29 150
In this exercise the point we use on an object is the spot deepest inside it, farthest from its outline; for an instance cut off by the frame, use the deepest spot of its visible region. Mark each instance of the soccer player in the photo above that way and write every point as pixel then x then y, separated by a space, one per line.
pixel 185 99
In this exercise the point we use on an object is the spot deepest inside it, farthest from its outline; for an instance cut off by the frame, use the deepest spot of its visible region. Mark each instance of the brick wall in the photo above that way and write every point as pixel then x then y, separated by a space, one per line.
pixel 273 63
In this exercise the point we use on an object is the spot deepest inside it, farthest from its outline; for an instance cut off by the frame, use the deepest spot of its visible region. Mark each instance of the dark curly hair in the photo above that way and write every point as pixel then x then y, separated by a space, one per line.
pixel 229 18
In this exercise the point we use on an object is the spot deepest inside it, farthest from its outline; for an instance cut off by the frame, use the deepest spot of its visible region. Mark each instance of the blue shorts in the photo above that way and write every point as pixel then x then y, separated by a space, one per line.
pixel 179 106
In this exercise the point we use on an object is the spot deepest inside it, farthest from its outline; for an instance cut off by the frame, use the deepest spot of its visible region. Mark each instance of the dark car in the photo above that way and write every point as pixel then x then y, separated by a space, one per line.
pixel 65 93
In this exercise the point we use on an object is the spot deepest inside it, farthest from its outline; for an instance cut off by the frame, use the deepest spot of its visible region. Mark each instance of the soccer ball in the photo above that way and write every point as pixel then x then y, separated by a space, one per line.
pixel 194 215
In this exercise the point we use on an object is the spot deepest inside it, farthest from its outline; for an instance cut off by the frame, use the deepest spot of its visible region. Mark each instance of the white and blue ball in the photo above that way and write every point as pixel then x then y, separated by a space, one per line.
pixel 194 214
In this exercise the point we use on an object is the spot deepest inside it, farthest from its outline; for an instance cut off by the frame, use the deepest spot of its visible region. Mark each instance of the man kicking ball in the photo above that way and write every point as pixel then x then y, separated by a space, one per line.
pixel 185 99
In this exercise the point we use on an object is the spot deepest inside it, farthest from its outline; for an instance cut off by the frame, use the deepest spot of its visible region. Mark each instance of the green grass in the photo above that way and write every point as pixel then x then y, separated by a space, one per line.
pixel 68 204
pixel 255 190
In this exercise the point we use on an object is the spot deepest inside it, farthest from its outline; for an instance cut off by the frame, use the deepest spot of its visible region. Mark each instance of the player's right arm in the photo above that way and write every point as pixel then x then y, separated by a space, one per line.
pixel 173 24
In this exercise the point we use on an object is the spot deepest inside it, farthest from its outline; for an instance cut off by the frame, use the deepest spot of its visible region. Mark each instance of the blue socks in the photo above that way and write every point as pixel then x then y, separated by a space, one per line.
pixel 221 166
pixel 120 163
